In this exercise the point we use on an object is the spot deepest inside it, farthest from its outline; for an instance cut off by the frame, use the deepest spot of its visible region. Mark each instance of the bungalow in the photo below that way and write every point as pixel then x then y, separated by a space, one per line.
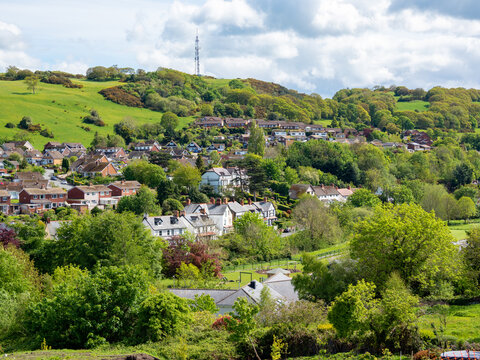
pixel 98 168
pixel 210 121
pixel 91 196
pixel 237 123
pixel 33 157
pixel 52 158
pixel 327 194
pixel 112 152
pixel 11 145
pixel 193 147
pixel 39 200
pixel 150 145
pixel 216 147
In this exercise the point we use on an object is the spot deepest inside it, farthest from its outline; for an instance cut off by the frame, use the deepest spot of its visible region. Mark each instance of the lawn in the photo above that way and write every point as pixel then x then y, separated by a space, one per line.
pixel 459 229
pixel 61 110
pixel 462 322
pixel 415 105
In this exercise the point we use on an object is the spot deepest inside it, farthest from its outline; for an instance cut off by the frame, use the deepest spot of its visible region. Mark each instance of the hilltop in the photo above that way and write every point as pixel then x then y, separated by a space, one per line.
pixel 145 96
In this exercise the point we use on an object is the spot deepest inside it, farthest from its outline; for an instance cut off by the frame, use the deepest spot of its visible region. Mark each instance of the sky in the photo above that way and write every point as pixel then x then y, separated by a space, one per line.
pixel 318 46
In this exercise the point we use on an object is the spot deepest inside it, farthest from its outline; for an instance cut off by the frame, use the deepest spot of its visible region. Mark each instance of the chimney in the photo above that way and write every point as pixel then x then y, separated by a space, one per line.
pixel 212 201
pixel 323 186
pixel 265 199
pixel 225 200
pixel 218 202
pixel 48 220
pixel 252 284
pixel 183 213
pixel 349 187
pixel 175 213
pixel 202 211
pixel 189 201
pixel 242 202
pixel 123 181
pixel 249 201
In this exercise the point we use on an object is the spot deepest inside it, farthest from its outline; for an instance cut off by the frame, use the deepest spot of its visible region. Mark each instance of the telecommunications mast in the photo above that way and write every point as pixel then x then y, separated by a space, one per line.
pixel 197 56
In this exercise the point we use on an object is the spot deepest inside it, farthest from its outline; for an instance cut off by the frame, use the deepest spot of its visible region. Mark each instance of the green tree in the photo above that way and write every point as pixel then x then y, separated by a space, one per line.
pixel 204 302
pixel 162 315
pixel 363 197
pixel 145 173
pixel 471 255
pixel 242 322
pixel 466 208
pixel 65 164
pixel 32 82
pixel 320 226
pixel 143 202
pixel 107 239
pixel 169 122
pixel 206 110
pixel 256 141
pixel 321 282
pixel 25 122
pixel 84 310
pixel 188 176
pixel 406 239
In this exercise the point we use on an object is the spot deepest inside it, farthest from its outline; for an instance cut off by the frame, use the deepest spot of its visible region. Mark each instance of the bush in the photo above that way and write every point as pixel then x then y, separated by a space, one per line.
pixel 120 96
pixel 46 133
pixel 10 125
pixel 93 118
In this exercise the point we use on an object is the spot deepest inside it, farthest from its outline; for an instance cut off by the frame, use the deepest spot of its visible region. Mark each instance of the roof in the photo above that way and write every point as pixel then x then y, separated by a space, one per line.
pixel 216 294
pixel 166 222
pixel 4 193
pixel 126 184
pixel 325 190
pixel 54 154
pixel 219 171
pixel 95 166
pixel 29 175
pixel 33 191
pixel 92 188
pixel 345 191
pixel 278 271
pixel 282 284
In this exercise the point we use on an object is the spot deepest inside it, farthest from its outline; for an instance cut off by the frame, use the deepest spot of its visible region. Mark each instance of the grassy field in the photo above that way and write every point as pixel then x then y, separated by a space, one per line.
pixel 459 229
pixel 462 322
pixel 61 110
pixel 418 105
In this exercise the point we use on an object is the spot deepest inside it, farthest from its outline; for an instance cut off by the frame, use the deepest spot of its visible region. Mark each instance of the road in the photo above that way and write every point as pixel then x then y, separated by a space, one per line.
pixel 48 176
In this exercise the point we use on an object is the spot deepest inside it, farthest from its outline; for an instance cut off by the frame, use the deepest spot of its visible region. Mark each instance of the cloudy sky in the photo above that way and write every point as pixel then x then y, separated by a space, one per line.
pixel 310 45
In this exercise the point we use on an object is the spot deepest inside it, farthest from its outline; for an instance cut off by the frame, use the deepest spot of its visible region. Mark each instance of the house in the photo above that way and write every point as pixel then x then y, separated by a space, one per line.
pixel 172 145
pixel 112 152
pixel 78 164
pixel 216 147
pixel 33 157
pixel 150 145
pixel 201 226
pixel 297 190
pixel 221 178
pixel 98 168
pixel 193 147
pixel 90 196
pixel 5 202
pixel 346 192
pixel 280 288
pixel 327 194
pixel 52 158
pixel 38 200
pixel 210 121
pixel 218 211
pixel 167 226
pixel 237 123
pixel 11 145
pixel 297 133
pixel 27 175
pixel 270 124
pixel 124 188
pixel 267 211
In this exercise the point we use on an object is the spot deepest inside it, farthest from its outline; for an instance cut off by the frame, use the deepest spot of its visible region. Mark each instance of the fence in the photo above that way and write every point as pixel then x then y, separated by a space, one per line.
pixel 288 263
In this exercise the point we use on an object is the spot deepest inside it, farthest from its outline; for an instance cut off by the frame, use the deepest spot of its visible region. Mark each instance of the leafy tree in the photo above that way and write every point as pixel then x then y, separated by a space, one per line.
pixel 406 239
pixel 160 158
pixel 471 254
pixel 145 173
pixel 182 249
pixel 170 205
pixel 462 174
pixel 206 110
pixel 321 282
pixel 162 315
pixel 253 164
pixel 167 189
pixel 8 237
pixel 25 123
pixel 32 82
pixel 450 208
pixel 433 199
pixel 143 202
pixel 107 239
pixel 466 208
pixel 65 164
pixel 242 322
pixel 319 224
pixel 84 310
pixel 256 141
pixel 470 191
pixel 127 129
pixel 204 302
pixel 187 176
pixel 169 122
pixel 363 197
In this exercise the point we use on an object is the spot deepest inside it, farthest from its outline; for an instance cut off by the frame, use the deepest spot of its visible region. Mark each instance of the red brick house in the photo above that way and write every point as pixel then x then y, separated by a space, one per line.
pixel 39 200
pixel 124 188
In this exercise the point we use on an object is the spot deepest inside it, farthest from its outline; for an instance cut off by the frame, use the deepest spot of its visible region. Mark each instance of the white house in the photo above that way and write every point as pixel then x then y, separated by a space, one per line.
pixel 166 226
pixel 221 178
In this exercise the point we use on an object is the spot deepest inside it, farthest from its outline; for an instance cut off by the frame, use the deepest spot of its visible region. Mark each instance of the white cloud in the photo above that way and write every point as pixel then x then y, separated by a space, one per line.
pixel 12 47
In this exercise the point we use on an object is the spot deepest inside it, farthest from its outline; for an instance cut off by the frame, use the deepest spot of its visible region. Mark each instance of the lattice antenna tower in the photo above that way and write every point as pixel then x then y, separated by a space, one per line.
pixel 197 56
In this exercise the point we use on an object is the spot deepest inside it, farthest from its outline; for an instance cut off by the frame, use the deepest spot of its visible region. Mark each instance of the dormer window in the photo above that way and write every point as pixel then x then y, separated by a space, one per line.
pixel 157 221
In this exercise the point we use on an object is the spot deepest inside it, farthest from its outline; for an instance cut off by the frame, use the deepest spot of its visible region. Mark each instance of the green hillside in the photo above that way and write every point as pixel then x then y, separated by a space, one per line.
pixel 415 105
pixel 61 110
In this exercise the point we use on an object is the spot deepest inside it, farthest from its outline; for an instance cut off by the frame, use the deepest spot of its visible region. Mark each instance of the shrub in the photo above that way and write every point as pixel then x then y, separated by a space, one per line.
pixel 120 96
pixel 46 133
pixel 10 125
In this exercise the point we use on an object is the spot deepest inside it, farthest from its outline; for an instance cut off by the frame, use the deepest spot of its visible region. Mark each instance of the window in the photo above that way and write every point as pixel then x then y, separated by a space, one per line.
pixel 35 196
pixel 61 195
pixel 54 196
